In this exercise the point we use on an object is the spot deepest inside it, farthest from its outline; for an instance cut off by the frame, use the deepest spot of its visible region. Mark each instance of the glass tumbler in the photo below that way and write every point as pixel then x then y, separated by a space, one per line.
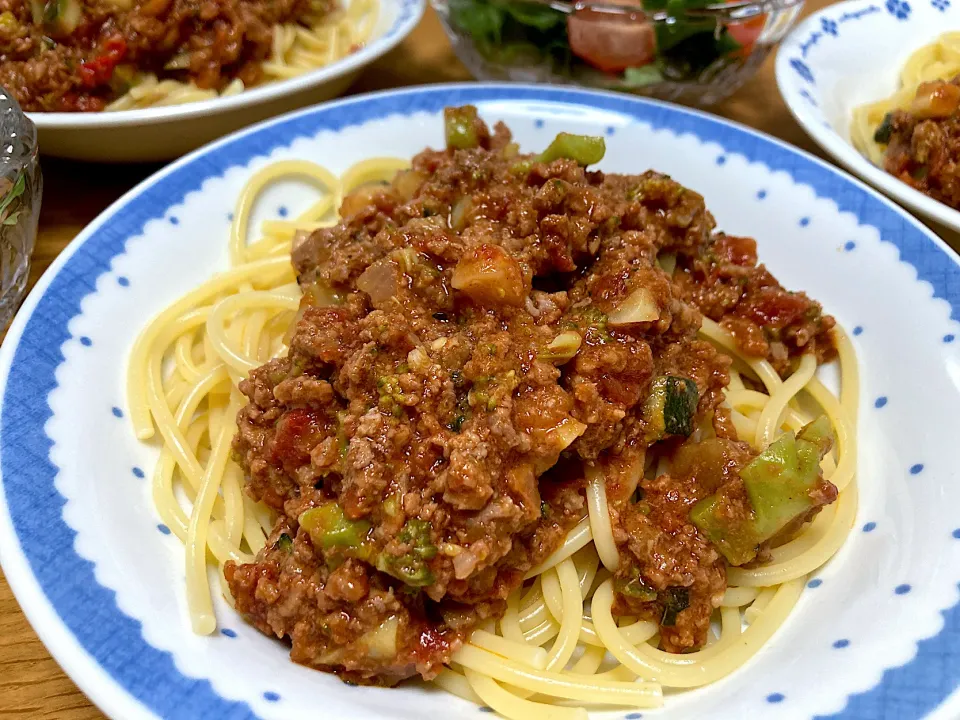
pixel 21 187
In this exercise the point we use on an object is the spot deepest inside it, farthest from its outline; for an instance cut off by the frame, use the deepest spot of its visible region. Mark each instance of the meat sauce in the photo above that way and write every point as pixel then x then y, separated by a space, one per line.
pixel 923 141
pixel 472 338
pixel 79 55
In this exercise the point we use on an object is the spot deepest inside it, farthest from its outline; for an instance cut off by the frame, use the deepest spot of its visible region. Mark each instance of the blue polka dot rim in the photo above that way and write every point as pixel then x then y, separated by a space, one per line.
pixel 101 248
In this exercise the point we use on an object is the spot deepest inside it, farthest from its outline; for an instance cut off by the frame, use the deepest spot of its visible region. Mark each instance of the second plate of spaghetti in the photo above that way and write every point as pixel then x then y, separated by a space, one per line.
pixel 876 85
pixel 544 402
pixel 108 91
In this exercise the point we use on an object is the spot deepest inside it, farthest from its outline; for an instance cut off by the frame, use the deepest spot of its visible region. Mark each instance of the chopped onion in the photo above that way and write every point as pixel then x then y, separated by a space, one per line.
pixel 418 359
pixel 458 214
pixel 464 563
pixel 667 262
pixel 357 201
pixel 299 238
pixel 382 642
pixel 937 99
pixel 638 307
pixel 380 281
pixel 180 61
pixel 563 347
pixel 407 183
pixel 566 432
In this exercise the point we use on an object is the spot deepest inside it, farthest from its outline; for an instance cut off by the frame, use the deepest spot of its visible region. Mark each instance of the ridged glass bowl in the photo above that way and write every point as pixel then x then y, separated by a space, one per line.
pixel 682 50
pixel 21 187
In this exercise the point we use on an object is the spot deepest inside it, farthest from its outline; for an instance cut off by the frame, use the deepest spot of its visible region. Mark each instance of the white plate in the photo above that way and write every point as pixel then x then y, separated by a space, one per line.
pixel 103 584
pixel 164 133
pixel 852 53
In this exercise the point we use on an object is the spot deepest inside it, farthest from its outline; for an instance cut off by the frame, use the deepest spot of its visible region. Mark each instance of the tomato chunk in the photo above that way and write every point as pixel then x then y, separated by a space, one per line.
pixel 747 33
pixel 611 42
pixel 99 70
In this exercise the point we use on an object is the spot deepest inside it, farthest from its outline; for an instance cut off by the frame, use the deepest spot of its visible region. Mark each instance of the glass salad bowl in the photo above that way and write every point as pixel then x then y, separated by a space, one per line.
pixel 689 51
pixel 21 186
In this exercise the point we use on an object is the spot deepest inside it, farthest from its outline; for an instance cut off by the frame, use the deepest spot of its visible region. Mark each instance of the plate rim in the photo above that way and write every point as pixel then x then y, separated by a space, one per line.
pixel 832 142
pixel 409 14
pixel 103 689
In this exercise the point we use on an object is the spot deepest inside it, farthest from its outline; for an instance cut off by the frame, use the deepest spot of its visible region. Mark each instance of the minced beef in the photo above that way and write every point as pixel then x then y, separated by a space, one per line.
pixel 923 141
pixel 471 337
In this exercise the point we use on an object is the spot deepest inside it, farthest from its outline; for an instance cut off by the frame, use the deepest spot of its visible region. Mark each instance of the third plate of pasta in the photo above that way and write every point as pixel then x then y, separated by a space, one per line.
pixel 546 403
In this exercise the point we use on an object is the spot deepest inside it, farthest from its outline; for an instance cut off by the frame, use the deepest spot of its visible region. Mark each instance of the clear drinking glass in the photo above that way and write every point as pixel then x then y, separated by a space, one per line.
pixel 21 187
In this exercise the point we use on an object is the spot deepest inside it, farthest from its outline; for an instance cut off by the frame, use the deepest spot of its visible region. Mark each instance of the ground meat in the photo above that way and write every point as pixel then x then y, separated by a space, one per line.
pixel 348 618
pixel 660 544
pixel 472 336
pixel 725 283
pixel 923 147
pixel 90 51
pixel 666 554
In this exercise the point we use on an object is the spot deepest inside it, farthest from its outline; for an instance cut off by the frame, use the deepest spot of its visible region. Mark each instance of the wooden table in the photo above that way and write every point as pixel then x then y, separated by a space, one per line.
pixel 34 686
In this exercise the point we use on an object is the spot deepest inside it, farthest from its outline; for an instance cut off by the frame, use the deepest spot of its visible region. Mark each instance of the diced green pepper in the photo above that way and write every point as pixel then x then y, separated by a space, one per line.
pixel 329 527
pixel 777 482
pixel 285 542
pixel 584 149
pixel 459 124
pixel 673 404
pixel 734 536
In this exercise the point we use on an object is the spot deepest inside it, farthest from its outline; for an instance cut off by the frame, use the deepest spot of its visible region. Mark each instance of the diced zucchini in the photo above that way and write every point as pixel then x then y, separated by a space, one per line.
pixel 675 600
pixel 884 130
pixel 329 527
pixel 59 16
pixel 672 405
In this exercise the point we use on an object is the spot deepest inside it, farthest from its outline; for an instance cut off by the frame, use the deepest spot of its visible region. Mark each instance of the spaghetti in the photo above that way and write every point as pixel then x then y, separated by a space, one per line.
pixel 317 41
pixel 940 60
pixel 558 648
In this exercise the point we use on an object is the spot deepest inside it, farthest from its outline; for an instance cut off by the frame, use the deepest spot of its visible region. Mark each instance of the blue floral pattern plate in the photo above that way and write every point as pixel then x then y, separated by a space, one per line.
pixel 874 634
pixel 851 53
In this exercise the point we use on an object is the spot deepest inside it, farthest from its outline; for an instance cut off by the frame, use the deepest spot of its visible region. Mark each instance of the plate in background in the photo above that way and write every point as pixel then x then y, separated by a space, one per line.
pixel 852 53
pixel 164 133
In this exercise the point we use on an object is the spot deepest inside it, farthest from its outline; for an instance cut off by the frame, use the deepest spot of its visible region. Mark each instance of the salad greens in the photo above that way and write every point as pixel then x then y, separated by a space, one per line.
pixel 7 217
pixel 513 32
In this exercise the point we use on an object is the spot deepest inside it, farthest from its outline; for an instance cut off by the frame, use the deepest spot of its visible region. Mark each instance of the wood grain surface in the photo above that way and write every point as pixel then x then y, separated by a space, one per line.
pixel 31 683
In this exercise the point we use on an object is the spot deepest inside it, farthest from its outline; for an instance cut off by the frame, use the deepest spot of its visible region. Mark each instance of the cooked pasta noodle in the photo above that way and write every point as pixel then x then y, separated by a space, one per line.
pixel 558 644
pixel 940 60
pixel 321 39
